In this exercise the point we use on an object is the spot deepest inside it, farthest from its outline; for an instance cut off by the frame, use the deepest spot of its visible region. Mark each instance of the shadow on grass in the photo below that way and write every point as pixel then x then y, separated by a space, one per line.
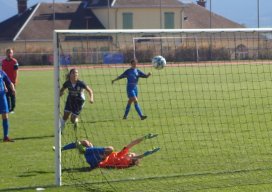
pixel 37 137
pixel 100 121
pixel 79 169
pixel 34 173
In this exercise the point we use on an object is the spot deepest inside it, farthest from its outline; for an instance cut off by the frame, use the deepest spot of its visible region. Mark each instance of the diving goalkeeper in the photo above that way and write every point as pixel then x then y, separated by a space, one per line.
pixel 105 157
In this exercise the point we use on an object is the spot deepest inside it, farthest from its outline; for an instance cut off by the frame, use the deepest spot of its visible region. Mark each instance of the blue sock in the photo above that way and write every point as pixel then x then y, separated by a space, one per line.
pixel 5 127
pixel 127 110
pixel 69 146
pixel 138 109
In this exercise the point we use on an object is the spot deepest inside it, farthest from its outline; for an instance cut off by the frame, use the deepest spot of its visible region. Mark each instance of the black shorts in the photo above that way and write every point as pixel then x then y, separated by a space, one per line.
pixel 74 105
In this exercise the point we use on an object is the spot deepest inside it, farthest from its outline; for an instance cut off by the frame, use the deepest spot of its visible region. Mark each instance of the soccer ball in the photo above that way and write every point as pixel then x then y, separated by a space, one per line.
pixel 158 62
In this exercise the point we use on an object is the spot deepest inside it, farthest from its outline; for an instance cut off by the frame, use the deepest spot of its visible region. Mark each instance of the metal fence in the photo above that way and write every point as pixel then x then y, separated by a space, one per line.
pixel 29 52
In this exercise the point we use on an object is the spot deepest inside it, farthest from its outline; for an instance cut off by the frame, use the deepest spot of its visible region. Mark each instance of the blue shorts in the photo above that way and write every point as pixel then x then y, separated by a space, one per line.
pixel 94 155
pixel 3 104
pixel 132 92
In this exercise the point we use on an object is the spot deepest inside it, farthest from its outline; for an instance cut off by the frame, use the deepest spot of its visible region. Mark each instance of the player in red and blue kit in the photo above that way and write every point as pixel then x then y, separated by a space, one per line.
pixel 133 74
pixel 105 157
pixel 4 110
pixel 93 155
pixel 10 67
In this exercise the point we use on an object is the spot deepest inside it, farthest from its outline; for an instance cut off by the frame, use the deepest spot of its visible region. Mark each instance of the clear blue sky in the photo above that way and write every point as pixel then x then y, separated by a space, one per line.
pixel 244 11
pixel 241 11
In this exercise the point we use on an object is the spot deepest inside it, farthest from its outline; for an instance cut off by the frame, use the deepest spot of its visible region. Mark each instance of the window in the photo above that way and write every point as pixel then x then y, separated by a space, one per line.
pixel 169 20
pixel 127 21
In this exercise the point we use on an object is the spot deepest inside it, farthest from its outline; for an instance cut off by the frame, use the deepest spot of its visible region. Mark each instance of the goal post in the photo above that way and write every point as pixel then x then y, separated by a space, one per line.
pixel 57 111
pixel 211 106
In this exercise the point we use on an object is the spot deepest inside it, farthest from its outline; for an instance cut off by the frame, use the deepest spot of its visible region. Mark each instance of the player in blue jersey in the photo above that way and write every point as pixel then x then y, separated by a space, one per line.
pixel 75 99
pixel 93 155
pixel 133 74
pixel 4 109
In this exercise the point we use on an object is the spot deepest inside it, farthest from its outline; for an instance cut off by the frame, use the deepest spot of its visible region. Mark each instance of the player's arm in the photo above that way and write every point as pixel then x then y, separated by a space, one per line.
pixel 143 75
pixel 62 91
pixel 90 92
pixel 16 77
pixel 64 86
pixel 16 67
pixel 8 82
pixel 12 87
pixel 124 75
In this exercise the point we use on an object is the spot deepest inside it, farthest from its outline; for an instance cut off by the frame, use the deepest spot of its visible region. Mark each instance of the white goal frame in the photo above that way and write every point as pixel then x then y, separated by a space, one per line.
pixel 58 172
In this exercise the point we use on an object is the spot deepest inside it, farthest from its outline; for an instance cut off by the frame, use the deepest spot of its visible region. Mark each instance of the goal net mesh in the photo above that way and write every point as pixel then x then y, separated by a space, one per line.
pixel 211 107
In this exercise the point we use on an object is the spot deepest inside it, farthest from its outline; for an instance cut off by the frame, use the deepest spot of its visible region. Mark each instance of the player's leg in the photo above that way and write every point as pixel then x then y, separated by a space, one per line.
pixel 127 108
pixel 146 153
pixel 76 109
pixel 69 146
pixel 74 118
pixel 66 114
pixel 11 99
pixel 130 95
pixel 65 117
pixel 78 144
pixel 135 142
pixel 137 106
pixel 139 140
pixel 74 121
pixel 5 123
pixel 13 102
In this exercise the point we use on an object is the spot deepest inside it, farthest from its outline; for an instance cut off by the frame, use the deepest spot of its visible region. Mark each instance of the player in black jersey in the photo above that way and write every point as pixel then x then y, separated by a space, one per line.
pixel 75 99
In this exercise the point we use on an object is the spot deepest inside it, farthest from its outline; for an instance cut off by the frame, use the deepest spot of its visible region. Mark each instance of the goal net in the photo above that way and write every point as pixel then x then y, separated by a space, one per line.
pixel 211 107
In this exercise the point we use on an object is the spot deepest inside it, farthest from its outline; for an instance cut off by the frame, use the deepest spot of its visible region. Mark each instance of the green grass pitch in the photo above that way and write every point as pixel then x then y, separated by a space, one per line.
pixel 214 126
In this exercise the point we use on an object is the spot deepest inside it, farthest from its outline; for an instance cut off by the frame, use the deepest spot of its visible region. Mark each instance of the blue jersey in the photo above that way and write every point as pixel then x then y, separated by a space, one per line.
pixel 94 155
pixel 132 76
pixel 4 80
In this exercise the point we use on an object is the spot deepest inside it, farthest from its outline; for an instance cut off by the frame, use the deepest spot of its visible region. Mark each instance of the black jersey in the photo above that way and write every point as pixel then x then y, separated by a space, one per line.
pixel 75 91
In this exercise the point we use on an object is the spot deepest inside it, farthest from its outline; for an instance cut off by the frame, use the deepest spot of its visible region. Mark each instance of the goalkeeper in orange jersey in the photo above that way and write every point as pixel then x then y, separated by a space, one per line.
pixel 124 158
pixel 106 158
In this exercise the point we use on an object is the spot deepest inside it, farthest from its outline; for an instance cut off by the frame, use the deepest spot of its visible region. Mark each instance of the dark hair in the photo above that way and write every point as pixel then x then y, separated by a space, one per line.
pixel 8 50
pixel 68 74
pixel 133 60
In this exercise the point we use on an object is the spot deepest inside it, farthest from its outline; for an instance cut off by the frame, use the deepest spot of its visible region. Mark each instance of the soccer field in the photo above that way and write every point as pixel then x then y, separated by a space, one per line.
pixel 213 123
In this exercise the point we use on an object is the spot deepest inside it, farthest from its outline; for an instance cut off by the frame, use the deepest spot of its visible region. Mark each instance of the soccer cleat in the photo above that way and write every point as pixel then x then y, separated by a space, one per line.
pixel 80 147
pixel 53 148
pixel 151 151
pixel 124 117
pixel 150 136
pixel 143 117
pixel 7 139
pixel 11 112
